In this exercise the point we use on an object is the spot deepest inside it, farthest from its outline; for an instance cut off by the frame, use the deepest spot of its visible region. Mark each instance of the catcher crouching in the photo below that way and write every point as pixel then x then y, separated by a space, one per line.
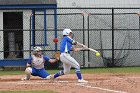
pixel 35 65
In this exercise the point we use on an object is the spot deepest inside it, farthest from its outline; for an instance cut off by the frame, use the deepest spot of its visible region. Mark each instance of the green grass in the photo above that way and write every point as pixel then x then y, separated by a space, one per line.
pixel 112 70
pixel 104 70
pixel 11 72
pixel 28 91
pixel 84 71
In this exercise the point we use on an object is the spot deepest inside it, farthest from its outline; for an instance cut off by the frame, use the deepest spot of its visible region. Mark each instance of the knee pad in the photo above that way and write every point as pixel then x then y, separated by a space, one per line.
pixel 28 70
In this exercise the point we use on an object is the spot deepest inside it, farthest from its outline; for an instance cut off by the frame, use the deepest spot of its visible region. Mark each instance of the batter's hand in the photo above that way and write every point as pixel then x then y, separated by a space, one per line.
pixel 84 46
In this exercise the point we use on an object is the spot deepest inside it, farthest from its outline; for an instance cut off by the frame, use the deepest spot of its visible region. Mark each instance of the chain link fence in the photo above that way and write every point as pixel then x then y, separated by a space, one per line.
pixel 112 31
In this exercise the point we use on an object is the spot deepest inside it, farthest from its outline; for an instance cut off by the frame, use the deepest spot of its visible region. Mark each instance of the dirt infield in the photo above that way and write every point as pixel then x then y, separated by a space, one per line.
pixel 98 83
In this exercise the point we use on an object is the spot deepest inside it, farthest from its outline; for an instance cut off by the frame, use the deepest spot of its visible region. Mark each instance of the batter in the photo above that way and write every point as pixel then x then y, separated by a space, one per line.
pixel 65 47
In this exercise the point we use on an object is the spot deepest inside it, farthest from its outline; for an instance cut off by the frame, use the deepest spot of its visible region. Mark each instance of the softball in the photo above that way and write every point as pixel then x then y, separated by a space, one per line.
pixel 98 54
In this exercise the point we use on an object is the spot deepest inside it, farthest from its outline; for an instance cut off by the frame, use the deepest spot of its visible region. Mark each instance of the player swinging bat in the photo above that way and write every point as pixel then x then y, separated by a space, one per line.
pixel 66 46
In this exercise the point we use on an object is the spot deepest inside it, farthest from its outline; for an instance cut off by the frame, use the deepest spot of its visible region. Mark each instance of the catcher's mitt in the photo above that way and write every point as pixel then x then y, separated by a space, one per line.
pixel 57 55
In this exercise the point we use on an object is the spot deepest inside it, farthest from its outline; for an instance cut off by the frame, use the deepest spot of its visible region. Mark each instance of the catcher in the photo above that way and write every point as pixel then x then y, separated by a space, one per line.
pixel 35 65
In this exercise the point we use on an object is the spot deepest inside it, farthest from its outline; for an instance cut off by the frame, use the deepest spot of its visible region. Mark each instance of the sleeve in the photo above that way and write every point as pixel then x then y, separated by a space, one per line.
pixel 73 42
pixel 30 60
pixel 69 39
pixel 46 58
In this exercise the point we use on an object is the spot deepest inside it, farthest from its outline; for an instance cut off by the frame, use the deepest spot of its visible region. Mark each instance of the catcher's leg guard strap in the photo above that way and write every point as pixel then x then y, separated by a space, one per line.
pixel 28 70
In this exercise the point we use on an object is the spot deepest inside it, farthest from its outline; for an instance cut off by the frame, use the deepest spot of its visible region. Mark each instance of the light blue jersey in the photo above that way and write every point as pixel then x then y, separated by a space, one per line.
pixel 66 44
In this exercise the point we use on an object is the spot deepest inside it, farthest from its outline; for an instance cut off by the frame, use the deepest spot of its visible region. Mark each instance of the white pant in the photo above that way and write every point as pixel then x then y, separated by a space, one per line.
pixel 68 62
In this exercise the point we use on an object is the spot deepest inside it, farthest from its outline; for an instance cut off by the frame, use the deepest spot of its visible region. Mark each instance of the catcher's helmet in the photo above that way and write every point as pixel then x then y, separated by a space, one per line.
pixel 66 31
pixel 37 49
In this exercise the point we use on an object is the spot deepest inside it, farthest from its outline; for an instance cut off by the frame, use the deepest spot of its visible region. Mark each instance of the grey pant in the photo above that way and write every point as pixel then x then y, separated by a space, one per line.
pixel 68 62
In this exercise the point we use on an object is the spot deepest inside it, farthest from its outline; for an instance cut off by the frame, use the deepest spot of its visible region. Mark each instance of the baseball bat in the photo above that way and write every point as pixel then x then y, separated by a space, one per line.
pixel 96 52
pixel 92 50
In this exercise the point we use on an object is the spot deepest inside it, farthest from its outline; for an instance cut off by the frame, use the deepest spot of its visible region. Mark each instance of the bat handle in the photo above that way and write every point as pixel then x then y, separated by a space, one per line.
pixel 92 50
pixel 85 47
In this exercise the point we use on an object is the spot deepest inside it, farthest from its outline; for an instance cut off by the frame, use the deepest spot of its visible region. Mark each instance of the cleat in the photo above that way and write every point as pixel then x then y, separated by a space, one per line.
pixel 27 77
pixel 82 81
pixel 52 78
pixel 23 79
pixel 49 77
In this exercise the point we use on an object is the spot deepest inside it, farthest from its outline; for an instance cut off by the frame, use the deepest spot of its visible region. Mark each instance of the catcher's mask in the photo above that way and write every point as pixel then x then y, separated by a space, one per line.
pixel 37 51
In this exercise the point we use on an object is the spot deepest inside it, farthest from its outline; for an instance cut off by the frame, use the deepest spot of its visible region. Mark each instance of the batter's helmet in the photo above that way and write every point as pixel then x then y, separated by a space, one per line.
pixel 66 31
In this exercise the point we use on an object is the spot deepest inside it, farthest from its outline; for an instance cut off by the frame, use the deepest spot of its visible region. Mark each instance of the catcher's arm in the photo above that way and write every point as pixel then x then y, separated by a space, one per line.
pixel 53 60
pixel 56 56
pixel 29 62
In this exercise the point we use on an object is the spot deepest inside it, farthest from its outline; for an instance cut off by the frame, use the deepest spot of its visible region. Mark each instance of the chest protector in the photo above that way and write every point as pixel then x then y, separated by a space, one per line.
pixel 38 62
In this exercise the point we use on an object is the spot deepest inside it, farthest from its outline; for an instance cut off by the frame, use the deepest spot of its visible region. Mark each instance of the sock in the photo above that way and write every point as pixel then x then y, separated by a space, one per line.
pixel 59 74
pixel 78 73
